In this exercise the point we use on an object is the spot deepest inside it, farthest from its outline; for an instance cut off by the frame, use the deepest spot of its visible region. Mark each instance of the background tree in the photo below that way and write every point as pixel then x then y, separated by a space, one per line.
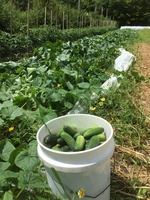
pixel 130 12
pixel 81 12
pixel 21 4
pixel 79 4
pixel 11 17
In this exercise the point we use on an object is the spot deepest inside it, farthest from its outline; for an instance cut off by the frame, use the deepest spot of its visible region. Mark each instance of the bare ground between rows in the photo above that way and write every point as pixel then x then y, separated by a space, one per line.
pixel 129 179
pixel 143 68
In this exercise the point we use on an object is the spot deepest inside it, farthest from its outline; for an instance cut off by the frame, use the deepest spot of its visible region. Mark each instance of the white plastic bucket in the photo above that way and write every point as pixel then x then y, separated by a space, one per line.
pixel 89 169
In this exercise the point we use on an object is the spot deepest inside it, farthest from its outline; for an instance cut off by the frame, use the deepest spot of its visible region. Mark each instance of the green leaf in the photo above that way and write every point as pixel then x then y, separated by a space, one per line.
pixel 37 82
pixel 16 112
pixel 30 70
pixel 11 64
pixel 1 121
pixel 4 96
pixel 1 106
pixel 69 72
pixel 59 180
pixel 28 159
pixel 42 69
pixel 7 174
pixel 49 116
pixel 5 149
pixel 69 85
pixel 56 97
pixel 30 115
pixel 84 85
pixel 7 103
pixel 68 105
pixel 4 165
pixel 11 112
pixel 64 56
pixel 8 195
pixel 15 152
pixel 45 114
pixel 29 179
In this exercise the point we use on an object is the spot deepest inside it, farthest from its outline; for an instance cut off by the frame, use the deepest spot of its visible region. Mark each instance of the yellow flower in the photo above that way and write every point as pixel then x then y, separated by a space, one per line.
pixel 81 193
pixel 11 128
pixel 101 103
pixel 103 99
pixel 58 85
pixel 92 108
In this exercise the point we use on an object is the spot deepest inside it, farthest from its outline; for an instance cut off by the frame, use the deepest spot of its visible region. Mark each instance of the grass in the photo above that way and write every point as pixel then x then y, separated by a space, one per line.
pixel 144 35
pixel 131 161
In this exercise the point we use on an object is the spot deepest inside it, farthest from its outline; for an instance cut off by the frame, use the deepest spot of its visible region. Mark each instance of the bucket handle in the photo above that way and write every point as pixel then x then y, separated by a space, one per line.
pixel 99 193
pixel 88 196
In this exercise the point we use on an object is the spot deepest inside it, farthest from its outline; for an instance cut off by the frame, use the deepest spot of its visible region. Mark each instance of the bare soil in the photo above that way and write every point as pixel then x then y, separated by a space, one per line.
pixel 143 68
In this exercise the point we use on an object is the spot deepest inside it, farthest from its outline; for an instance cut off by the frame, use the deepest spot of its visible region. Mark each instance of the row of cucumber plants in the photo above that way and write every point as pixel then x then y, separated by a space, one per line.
pixel 42 87
pixel 18 44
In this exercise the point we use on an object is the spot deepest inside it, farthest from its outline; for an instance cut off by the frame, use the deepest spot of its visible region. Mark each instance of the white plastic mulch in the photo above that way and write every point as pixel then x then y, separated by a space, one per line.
pixel 135 27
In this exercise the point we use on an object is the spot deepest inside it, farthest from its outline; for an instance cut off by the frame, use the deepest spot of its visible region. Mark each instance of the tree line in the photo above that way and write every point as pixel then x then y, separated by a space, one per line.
pixel 17 15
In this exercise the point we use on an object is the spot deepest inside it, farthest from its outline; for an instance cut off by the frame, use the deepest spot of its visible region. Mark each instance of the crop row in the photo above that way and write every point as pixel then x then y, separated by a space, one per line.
pixel 18 44
pixel 42 87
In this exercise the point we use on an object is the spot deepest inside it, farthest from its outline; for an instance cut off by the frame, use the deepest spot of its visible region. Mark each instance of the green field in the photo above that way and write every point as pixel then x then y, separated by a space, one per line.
pixel 46 85
pixel 144 35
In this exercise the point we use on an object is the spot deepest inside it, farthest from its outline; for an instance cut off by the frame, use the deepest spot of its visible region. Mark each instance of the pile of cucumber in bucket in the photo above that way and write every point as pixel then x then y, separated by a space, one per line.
pixel 71 139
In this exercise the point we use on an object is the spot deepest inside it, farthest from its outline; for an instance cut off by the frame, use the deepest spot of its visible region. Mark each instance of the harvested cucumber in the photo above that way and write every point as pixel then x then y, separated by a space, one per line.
pixel 61 141
pixel 69 140
pixel 102 137
pixel 59 133
pixel 93 142
pixel 80 142
pixel 93 131
pixel 81 132
pixel 56 148
pixel 65 148
pixel 70 129
pixel 50 139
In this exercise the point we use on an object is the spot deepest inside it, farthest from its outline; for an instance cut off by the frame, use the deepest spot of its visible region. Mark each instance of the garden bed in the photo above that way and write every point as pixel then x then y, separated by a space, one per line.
pixel 47 85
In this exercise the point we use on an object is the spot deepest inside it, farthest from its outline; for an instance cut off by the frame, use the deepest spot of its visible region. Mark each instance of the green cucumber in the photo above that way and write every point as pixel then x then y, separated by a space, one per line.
pixel 80 142
pixel 50 139
pixel 95 130
pixel 56 148
pixel 102 137
pixel 69 140
pixel 70 129
pixel 65 148
pixel 59 133
pixel 93 142
pixel 81 132
pixel 61 141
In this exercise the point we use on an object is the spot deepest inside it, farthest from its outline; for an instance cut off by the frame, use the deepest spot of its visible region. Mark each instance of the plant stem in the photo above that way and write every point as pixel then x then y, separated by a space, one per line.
pixel 19 193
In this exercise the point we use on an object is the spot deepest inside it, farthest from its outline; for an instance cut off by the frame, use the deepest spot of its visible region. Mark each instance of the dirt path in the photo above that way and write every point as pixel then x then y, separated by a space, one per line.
pixel 143 68
pixel 127 172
